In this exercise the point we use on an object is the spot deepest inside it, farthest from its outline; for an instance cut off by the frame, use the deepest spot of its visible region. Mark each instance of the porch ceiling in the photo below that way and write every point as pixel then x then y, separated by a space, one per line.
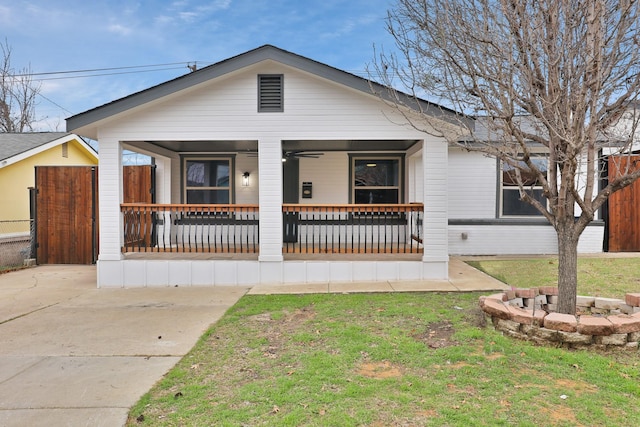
pixel 289 145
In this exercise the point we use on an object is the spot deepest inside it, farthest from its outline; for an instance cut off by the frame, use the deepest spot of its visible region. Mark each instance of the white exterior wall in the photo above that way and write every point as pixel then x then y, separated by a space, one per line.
pixel 329 175
pixel 493 239
pixel 475 228
pixel 473 185
pixel 226 110
pixel 247 195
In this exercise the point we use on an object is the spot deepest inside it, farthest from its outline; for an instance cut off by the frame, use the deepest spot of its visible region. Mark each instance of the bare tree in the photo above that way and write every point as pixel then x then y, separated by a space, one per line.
pixel 560 75
pixel 18 95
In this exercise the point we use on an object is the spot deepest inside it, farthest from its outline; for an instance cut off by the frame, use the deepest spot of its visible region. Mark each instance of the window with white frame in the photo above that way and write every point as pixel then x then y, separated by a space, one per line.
pixel 208 180
pixel 511 204
pixel 376 179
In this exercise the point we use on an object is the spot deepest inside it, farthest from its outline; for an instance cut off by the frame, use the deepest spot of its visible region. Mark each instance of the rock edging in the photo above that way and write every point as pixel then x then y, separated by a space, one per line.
pixel 529 314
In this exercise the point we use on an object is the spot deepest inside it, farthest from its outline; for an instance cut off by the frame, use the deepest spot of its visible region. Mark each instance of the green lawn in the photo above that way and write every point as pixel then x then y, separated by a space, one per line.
pixel 389 360
pixel 605 277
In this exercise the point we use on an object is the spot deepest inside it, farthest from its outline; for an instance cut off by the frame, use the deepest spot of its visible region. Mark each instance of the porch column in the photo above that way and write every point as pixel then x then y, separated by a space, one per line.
pixel 109 199
pixel 436 242
pixel 270 199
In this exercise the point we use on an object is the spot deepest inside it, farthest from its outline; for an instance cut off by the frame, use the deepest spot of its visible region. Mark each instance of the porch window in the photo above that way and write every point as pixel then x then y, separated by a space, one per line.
pixel 511 204
pixel 376 180
pixel 207 180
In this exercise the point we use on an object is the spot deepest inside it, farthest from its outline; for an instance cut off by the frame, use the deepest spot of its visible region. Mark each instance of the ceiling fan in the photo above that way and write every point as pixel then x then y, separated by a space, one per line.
pixel 301 153
pixel 289 154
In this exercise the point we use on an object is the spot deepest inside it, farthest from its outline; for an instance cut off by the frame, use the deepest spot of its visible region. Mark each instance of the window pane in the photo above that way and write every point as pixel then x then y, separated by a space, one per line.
pixel 207 173
pixel 208 196
pixel 512 205
pixel 377 173
pixel 376 196
pixel 528 176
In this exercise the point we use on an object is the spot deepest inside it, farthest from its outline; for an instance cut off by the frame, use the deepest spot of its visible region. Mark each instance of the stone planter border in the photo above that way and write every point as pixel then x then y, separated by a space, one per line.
pixel 529 314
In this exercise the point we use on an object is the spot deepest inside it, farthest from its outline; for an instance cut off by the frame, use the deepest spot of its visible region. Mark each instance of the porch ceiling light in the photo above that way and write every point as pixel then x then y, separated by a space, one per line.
pixel 245 179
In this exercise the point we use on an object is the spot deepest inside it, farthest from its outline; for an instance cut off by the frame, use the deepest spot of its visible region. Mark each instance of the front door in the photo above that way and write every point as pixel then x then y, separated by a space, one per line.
pixel 290 194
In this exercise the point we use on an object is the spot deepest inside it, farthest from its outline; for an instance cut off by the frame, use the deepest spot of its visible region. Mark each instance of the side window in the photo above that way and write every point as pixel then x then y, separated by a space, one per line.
pixel 511 204
pixel 376 180
pixel 207 180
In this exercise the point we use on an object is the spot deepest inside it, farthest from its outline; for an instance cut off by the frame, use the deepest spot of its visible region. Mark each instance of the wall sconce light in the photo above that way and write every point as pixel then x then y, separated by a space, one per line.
pixel 245 179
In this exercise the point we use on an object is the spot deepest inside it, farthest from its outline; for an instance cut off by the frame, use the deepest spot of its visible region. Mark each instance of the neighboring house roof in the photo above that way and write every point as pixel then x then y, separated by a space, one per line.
pixel 263 53
pixel 15 147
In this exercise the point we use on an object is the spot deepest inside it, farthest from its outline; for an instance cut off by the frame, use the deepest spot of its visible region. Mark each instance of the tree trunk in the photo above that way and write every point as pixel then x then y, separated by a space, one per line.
pixel 567 269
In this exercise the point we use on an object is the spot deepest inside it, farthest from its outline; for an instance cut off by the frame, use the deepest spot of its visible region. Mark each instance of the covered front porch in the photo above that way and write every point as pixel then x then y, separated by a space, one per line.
pixel 258 238
pixel 273 168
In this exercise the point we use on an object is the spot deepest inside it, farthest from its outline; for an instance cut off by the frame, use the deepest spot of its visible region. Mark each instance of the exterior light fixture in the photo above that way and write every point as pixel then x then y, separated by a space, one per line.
pixel 245 179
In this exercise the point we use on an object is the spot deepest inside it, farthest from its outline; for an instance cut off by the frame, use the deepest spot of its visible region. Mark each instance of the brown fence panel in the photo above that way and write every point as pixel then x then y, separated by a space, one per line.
pixel 66 211
pixel 138 187
pixel 138 184
pixel 624 210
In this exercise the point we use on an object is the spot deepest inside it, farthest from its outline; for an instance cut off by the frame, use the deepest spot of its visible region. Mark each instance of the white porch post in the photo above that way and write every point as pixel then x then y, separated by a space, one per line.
pixel 270 201
pixel 109 199
pixel 436 222
pixel 110 219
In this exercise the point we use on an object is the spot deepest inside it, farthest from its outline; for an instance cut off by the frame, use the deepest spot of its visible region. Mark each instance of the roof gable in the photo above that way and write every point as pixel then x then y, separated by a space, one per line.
pixel 15 147
pixel 91 117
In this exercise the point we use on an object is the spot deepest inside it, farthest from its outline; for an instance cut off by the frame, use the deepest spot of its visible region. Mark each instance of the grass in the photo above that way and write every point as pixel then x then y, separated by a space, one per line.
pixel 604 277
pixel 387 360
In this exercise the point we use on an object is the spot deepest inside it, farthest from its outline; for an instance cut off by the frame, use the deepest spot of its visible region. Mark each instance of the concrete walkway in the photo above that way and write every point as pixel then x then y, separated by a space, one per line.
pixel 75 355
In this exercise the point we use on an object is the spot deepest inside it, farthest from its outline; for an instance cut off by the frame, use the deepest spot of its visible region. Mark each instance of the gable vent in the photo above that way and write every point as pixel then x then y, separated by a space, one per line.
pixel 270 98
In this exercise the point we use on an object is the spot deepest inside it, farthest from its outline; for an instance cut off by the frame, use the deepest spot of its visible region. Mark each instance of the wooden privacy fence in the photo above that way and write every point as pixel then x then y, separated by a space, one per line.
pixel 624 207
pixel 65 209
pixel 66 214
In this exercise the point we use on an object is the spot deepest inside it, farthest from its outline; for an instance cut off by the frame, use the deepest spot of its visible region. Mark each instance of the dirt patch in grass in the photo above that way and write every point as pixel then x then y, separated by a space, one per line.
pixel 577 387
pixel 437 335
pixel 379 370
pixel 561 416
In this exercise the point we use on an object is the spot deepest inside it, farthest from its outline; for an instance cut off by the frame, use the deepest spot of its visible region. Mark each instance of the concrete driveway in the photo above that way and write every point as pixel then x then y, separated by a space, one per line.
pixel 74 355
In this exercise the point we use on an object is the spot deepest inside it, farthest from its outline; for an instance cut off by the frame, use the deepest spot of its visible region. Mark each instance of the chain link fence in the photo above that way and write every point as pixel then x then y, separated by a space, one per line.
pixel 16 246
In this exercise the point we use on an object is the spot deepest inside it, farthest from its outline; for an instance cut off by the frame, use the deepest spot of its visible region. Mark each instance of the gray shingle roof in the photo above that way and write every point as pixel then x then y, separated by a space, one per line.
pixel 12 144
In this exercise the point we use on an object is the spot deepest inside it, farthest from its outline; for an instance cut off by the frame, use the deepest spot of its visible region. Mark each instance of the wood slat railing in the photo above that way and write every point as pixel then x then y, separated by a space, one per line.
pixel 190 228
pixel 353 228
pixel 307 229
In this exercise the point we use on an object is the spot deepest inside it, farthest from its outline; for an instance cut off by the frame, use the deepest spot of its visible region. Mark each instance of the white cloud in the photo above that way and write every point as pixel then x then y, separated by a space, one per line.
pixel 188 16
pixel 348 26
pixel 119 29
pixel 163 20
pixel 5 14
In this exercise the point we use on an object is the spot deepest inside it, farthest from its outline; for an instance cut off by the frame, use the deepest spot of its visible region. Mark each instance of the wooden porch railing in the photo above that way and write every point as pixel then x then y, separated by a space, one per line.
pixel 190 228
pixel 307 229
pixel 353 229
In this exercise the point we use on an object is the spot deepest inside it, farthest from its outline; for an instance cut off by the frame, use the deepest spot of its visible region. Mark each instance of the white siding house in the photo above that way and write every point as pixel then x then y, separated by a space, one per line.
pixel 274 168
pixel 377 205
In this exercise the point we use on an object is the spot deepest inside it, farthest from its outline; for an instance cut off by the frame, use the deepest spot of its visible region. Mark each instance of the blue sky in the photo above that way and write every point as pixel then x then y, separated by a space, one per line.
pixel 68 35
